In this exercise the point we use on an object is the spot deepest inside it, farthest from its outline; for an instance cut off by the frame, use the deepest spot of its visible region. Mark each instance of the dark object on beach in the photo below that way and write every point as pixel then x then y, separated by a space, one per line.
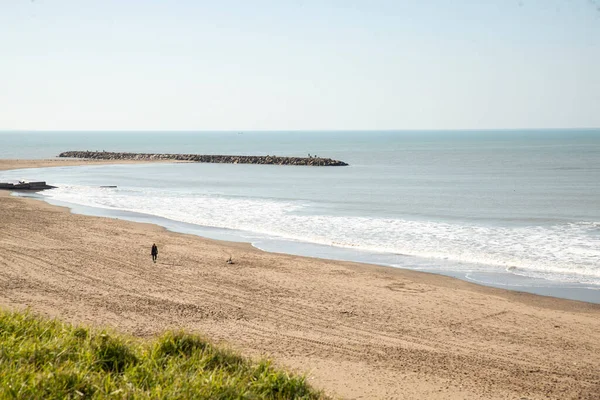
pixel 210 158
pixel 229 261
pixel 154 252
pixel 22 185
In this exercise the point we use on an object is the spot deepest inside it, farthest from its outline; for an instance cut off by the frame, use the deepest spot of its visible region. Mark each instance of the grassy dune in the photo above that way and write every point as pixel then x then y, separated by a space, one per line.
pixel 48 359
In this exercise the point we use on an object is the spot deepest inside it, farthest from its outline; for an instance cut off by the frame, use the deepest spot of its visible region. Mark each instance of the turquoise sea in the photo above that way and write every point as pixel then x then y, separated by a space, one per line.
pixel 513 209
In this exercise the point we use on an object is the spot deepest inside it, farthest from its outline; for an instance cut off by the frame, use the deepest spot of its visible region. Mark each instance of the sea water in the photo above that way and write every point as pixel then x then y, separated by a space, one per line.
pixel 515 209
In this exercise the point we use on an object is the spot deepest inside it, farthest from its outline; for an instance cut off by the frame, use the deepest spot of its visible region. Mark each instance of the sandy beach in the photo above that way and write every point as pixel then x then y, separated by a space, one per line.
pixel 358 331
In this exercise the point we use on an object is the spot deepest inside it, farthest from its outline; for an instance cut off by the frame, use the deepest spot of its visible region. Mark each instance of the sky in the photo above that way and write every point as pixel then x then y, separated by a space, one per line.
pixel 299 64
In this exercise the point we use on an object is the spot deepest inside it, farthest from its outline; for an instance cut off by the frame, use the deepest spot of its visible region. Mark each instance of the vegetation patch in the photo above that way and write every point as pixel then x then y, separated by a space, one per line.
pixel 47 359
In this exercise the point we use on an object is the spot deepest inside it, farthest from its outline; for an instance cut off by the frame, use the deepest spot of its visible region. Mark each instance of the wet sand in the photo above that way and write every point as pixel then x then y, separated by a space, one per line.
pixel 358 331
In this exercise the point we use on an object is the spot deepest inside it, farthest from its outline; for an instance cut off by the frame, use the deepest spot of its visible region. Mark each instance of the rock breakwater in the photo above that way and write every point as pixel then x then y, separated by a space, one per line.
pixel 206 158
pixel 22 185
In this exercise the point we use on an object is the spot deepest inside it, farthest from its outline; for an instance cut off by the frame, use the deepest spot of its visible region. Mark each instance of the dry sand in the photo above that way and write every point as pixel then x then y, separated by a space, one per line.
pixel 358 331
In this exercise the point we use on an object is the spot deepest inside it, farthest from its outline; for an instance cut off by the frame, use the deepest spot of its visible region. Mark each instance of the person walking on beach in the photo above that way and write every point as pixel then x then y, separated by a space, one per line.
pixel 154 252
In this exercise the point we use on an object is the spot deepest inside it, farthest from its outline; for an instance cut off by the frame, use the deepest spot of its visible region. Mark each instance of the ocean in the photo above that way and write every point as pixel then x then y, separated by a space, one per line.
pixel 512 209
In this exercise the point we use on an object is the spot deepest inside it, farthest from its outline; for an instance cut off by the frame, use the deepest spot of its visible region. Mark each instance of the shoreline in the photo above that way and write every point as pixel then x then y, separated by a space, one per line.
pixel 357 329
pixel 499 278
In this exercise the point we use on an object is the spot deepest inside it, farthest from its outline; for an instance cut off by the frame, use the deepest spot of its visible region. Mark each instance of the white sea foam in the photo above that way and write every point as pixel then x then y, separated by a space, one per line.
pixel 561 252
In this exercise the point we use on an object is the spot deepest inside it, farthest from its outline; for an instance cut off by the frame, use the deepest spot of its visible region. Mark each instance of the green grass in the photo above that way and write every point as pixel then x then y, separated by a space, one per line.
pixel 47 359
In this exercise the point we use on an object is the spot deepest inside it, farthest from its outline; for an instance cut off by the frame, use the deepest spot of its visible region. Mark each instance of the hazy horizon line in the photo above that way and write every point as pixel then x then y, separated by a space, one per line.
pixel 292 130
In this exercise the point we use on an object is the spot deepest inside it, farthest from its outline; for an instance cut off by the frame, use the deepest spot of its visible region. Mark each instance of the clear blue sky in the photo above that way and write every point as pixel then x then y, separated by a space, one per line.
pixel 299 64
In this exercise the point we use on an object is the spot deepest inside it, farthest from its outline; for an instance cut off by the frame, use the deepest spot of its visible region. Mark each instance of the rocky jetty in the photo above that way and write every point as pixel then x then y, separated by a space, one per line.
pixel 274 160
pixel 34 186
